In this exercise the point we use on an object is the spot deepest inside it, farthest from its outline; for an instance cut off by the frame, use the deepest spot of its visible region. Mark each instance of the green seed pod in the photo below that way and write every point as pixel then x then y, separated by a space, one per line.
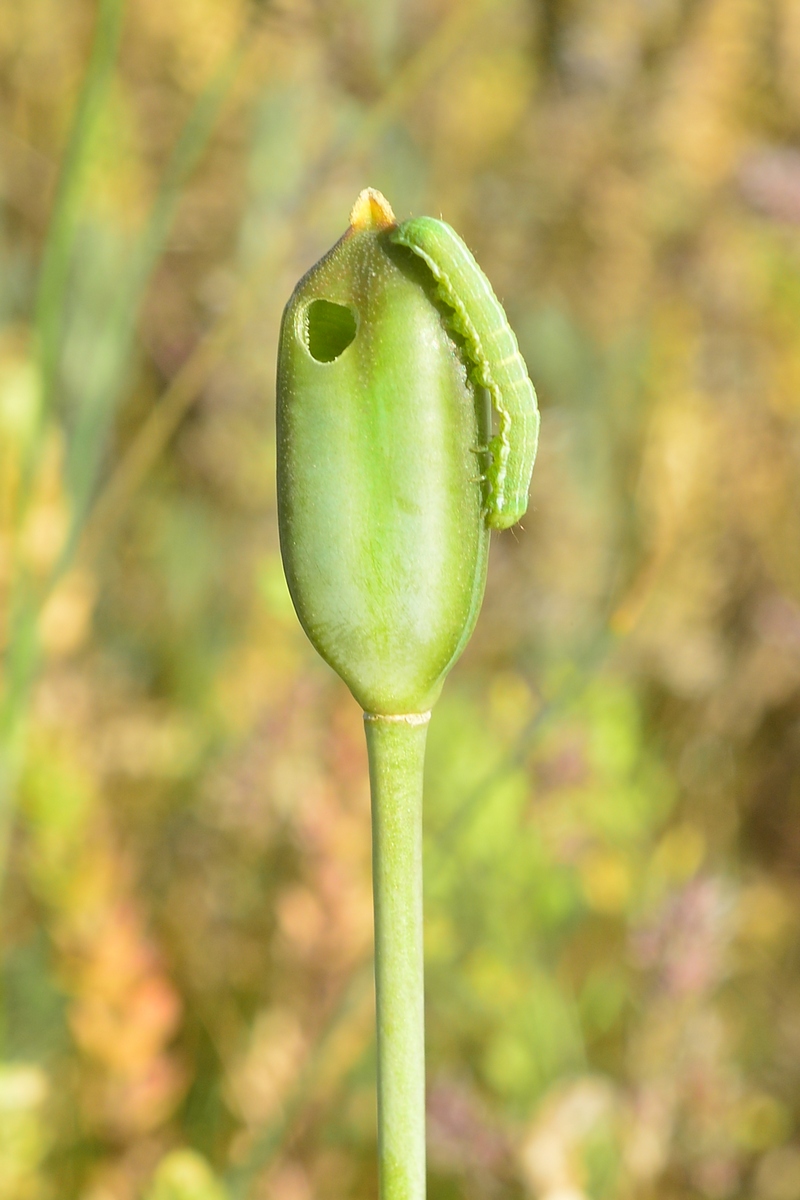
pixel 381 439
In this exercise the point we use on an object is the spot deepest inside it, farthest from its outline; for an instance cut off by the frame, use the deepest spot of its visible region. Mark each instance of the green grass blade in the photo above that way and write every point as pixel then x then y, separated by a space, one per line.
pixel 54 273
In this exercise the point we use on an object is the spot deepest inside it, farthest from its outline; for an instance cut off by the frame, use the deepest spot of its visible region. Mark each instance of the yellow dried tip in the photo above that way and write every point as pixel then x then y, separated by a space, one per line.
pixel 371 211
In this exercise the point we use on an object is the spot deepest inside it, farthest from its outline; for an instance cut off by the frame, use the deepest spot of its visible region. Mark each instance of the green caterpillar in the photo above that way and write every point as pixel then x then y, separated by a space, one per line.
pixel 497 364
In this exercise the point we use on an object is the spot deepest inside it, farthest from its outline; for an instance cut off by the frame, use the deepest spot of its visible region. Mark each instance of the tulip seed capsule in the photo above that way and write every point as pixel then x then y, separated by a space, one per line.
pixel 386 353
pixel 380 507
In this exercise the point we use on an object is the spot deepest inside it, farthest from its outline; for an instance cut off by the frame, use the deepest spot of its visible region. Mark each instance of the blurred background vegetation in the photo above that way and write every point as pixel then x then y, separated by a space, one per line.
pixel 612 822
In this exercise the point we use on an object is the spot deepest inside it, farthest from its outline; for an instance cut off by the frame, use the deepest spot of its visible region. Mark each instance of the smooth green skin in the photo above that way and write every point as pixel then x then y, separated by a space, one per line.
pixel 396 756
pixel 379 497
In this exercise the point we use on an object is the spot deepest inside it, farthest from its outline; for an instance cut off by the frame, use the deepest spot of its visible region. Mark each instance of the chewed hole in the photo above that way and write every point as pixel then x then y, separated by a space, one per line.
pixel 329 329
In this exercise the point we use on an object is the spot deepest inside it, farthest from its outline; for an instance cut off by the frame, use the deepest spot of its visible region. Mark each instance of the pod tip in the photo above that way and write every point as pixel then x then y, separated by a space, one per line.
pixel 371 211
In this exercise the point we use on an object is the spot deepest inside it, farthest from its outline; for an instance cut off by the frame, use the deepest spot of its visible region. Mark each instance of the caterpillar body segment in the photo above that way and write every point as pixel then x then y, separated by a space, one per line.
pixel 495 360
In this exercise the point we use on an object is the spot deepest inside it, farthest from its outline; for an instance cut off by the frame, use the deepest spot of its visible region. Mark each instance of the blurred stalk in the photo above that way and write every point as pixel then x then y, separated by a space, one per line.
pixel 48 323
pixel 103 387
pixel 396 747
pixel 98 409
pixel 57 258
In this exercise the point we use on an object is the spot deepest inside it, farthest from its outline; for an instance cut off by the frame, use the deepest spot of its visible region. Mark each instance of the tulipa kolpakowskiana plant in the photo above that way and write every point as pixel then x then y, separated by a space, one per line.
pixel 395 359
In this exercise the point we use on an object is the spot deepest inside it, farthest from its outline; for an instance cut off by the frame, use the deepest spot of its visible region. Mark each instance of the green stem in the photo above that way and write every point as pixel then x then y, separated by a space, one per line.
pixel 396 747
